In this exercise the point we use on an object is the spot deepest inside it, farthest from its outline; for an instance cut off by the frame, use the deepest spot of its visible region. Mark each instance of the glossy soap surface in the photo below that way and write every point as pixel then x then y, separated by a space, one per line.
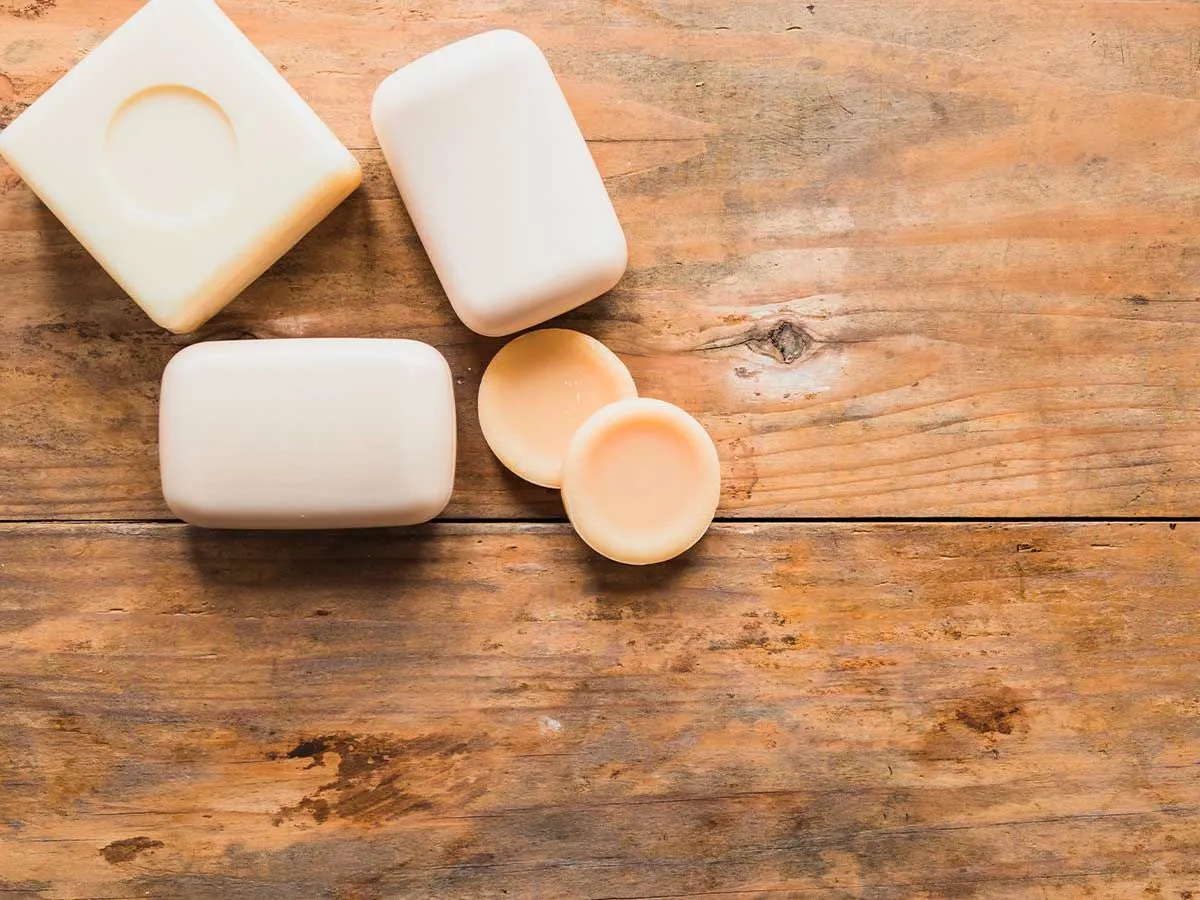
pixel 307 433
pixel 181 160
pixel 499 182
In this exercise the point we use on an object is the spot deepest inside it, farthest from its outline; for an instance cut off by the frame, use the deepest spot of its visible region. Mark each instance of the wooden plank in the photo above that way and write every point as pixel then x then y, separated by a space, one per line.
pixel 901 261
pixel 836 710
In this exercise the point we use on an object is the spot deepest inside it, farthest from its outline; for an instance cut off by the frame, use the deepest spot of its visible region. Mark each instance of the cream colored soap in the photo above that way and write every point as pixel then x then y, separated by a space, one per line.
pixel 307 433
pixel 499 182
pixel 641 482
pixel 180 159
pixel 538 390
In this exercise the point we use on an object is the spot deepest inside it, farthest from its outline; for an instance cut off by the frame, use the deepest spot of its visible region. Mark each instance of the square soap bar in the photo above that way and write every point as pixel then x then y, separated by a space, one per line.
pixel 180 159
pixel 499 182
pixel 307 433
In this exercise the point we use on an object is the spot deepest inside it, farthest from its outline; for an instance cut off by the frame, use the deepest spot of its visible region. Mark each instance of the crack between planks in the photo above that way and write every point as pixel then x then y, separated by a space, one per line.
pixel 719 520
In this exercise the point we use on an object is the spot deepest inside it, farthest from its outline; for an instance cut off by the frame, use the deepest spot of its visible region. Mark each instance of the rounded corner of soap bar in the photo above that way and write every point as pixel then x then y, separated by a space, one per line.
pixel 178 366
pixel 181 312
pixel 430 354
pixel 479 50
pixel 184 507
pixel 436 504
pixel 493 314
pixel 497 42
pixel 350 171
pixel 612 261
pixel 385 99
pixel 175 322
pixel 435 364
pixel 485 321
pixel 511 40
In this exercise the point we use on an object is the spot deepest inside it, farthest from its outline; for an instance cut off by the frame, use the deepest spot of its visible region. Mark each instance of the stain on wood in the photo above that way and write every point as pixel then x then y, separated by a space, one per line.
pixel 125 850
pixel 901 261
pixel 837 709
pixel 990 714
pixel 26 10
pixel 376 778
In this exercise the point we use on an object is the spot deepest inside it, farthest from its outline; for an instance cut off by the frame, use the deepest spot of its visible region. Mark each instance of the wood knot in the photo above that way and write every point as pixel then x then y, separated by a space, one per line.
pixel 784 343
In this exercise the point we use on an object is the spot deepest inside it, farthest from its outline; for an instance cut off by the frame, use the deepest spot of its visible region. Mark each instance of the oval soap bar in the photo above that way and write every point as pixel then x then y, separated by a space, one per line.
pixel 499 182
pixel 538 390
pixel 307 433
pixel 641 481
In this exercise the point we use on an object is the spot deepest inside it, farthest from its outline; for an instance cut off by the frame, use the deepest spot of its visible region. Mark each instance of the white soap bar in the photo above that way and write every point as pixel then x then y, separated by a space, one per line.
pixel 307 433
pixel 180 159
pixel 499 182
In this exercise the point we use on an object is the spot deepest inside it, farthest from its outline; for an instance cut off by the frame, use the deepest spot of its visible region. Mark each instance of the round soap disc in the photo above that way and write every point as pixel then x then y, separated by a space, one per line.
pixel 536 393
pixel 641 481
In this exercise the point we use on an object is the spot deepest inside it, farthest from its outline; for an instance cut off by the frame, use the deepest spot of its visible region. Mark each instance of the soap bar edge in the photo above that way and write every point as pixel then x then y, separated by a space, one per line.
pixel 177 372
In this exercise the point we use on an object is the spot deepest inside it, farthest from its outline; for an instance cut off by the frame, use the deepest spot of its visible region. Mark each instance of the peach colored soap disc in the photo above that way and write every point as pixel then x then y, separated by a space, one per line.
pixel 536 393
pixel 641 481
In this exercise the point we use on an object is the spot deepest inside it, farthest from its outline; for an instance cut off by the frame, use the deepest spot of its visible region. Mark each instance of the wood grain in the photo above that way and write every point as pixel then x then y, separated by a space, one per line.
pixel 884 711
pixel 902 260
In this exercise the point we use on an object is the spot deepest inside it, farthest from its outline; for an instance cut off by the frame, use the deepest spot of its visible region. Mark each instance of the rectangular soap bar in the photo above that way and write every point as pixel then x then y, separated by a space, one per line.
pixel 180 159
pixel 499 182
pixel 307 433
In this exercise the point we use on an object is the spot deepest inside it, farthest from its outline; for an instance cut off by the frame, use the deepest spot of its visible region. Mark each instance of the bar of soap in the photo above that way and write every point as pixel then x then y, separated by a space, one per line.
pixel 307 433
pixel 181 160
pixel 538 390
pixel 499 182
pixel 641 481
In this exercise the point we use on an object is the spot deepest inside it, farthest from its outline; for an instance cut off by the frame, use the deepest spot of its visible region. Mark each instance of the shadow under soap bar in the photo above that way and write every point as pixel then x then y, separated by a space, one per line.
pixel 307 433
pixel 181 160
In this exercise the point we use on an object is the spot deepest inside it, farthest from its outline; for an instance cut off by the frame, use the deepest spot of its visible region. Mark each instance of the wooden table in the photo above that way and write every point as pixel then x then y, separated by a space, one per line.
pixel 927 272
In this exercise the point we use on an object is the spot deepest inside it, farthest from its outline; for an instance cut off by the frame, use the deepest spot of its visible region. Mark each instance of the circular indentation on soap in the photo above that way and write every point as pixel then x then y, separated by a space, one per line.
pixel 641 481
pixel 536 393
pixel 172 152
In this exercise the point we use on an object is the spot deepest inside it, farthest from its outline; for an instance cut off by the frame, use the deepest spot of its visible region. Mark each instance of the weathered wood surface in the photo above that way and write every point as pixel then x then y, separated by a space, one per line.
pixel 881 711
pixel 930 259
pixel 902 259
